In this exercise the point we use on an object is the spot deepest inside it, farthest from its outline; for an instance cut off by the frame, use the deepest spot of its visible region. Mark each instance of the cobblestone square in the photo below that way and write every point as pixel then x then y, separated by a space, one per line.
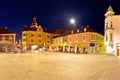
pixel 59 66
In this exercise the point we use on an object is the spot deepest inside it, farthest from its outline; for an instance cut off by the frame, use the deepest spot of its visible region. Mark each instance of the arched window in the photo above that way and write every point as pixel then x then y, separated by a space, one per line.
pixel 106 37
pixel 111 25
pixel 106 25
pixel 111 37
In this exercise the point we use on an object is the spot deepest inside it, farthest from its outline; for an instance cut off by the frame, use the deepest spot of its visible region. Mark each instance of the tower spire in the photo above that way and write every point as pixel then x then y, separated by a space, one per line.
pixel 110 8
pixel 110 11
pixel 34 21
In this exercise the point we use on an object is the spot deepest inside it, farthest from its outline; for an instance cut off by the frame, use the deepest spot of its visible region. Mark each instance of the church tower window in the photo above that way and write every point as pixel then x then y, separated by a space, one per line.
pixel 106 37
pixel 106 25
pixel 111 37
pixel 111 25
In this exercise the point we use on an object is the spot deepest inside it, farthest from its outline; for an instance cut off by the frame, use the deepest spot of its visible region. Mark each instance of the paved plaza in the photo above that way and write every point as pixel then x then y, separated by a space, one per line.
pixel 59 66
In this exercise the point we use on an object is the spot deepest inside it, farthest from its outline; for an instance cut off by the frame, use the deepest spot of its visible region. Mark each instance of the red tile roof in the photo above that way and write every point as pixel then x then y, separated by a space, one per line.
pixel 84 29
pixel 5 30
pixel 58 31
pixel 63 32
pixel 34 29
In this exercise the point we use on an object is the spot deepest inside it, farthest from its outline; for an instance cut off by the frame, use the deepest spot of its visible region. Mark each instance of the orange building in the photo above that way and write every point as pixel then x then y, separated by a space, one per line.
pixel 85 40
pixel 81 40
pixel 7 39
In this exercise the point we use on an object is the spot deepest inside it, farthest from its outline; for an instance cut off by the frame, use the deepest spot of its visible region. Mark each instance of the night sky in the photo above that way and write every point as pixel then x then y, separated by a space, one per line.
pixel 52 14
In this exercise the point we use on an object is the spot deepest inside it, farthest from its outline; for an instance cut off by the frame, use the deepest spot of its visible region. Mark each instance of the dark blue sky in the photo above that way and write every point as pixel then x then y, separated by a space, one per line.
pixel 53 14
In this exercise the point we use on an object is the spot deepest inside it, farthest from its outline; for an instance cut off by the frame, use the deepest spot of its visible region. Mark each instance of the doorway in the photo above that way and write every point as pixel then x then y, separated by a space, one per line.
pixel 92 49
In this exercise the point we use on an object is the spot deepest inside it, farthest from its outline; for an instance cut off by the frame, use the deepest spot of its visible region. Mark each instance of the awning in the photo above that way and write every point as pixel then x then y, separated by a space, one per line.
pixel 82 46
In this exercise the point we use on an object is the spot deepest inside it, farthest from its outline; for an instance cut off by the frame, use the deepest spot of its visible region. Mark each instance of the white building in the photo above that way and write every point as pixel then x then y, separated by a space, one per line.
pixel 112 32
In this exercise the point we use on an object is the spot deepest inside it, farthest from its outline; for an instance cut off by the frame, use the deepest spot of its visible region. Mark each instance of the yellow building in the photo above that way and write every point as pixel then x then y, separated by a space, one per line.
pixel 60 39
pixel 36 37
pixel 59 43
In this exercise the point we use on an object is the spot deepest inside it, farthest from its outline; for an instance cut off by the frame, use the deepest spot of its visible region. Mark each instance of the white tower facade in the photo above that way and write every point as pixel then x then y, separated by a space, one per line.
pixel 112 32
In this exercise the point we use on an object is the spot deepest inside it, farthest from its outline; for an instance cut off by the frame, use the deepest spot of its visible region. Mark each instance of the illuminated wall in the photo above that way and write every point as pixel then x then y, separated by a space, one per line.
pixel 80 40
pixel 112 31
pixel 91 42
pixel 35 35
pixel 59 43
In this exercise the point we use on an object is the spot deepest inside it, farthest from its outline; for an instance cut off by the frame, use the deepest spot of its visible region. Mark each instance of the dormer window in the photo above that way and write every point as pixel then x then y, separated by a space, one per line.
pixel 84 29
pixel 38 29
pixel 72 31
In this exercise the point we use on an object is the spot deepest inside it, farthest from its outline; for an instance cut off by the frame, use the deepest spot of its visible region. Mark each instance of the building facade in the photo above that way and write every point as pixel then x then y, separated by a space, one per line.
pixel 60 39
pixel 60 43
pixel 85 40
pixel 82 40
pixel 112 32
pixel 7 39
pixel 36 37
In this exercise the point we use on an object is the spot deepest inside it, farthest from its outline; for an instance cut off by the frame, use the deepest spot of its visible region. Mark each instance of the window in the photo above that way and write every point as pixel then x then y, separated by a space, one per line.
pixel 39 35
pixel 6 37
pixel 106 37
pixel 32 40
pixel 55 41
pixel 48 41
pixel 3 37
pixel 24 34
pixel 24 40
pixel 32 35
pixel 77 30
pixel 111 25
pixel 48 36
pixel 84 37
pixel 10 38
pixel 111 37
pixel 61 40
pixel 106 25
pixel 39 40
pixel 0 37
pixel 92 36
pixel 70 39
pixel 76 38
pixel 84 29
pixel 72 31
pixel 99 39
pixel 64 39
